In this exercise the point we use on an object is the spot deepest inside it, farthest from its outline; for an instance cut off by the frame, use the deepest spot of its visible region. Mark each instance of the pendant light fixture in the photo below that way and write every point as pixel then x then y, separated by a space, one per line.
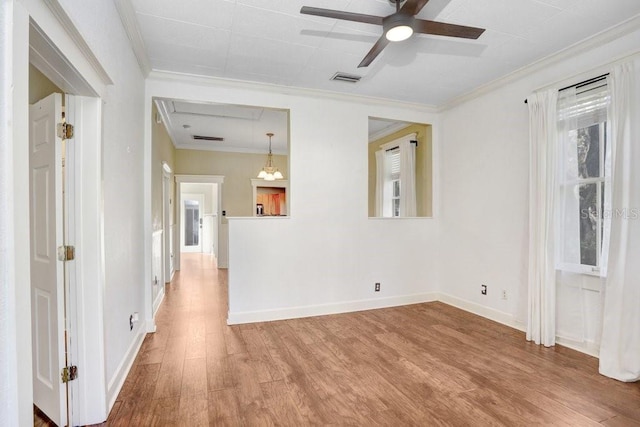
pixel 270 172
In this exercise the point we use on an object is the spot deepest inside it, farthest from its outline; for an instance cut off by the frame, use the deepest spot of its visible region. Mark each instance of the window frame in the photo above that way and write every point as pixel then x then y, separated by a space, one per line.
pixel 602 182
pixel 395 199
pixel 388 197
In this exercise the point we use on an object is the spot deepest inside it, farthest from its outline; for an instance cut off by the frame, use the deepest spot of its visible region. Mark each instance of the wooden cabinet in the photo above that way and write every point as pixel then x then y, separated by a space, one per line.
pixel 270 197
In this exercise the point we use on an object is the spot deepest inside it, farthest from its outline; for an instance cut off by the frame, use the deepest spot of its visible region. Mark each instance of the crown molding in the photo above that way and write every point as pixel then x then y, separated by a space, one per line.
pixel 166 121
pixel 72 31
pixel 387 131
pixel 239 150
pixel 595 41
pixel 286 90
pixel 130 24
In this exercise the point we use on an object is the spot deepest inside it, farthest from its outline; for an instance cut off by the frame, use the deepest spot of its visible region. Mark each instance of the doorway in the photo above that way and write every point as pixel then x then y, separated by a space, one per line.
pixel 191 230
pixel 200 214
pixel 200 217
pixel 64 184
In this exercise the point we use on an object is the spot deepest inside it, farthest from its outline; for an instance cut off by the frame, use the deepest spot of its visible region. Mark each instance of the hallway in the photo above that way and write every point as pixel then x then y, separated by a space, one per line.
pixel 184 367
pixel 423 364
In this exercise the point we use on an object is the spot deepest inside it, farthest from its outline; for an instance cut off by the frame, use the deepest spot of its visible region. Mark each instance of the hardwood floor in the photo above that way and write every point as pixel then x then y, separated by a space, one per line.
pixel 40 419
pixel 425 364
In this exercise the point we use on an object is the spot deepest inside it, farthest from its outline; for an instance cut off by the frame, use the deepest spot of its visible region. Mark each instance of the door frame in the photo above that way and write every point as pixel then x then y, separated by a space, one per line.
pixel 198 179
pixel 42 33
pixel 200 198
pixel 168 239
pixel 89 391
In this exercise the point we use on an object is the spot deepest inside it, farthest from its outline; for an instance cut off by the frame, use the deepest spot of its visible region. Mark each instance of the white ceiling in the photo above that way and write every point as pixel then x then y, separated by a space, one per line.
pixel 270 41
pixel 244 128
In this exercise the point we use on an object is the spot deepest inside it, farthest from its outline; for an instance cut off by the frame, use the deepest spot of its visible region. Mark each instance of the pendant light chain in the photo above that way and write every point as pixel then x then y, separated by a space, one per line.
pixel 270 172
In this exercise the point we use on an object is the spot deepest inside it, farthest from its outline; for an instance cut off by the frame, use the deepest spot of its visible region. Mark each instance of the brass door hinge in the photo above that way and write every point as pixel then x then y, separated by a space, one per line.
pixel 69 373
pixel 65 131
pixel 66 253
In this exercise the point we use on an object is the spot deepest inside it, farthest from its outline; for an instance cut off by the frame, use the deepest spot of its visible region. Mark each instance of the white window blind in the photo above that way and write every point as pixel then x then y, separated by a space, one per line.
pixel 394 162
pixel 586 105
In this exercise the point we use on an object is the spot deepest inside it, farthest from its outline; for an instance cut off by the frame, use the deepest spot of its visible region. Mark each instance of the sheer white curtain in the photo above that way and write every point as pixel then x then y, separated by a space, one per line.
pixel 620 342
pixel 569 250
pixel 407 179
pixel 543 201
pixel 380 171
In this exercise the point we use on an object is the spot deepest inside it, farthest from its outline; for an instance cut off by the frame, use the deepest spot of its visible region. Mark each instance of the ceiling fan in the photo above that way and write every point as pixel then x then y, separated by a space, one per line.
pixel 398 26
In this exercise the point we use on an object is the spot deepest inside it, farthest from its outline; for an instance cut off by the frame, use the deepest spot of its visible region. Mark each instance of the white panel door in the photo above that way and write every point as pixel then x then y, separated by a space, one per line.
pixel 192 207
pixel 47 274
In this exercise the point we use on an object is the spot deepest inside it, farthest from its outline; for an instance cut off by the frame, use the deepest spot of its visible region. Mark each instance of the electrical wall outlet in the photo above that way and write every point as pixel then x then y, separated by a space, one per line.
pixel 504 294
pixel 377 287
pixel 483 289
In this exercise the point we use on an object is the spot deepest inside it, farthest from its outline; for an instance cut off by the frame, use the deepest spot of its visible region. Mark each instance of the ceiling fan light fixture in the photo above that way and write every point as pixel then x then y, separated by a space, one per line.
pixel 398 26
pixel 399 33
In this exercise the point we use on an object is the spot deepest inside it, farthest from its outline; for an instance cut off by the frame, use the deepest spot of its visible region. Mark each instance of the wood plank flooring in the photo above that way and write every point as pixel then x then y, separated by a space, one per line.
pixel 423 365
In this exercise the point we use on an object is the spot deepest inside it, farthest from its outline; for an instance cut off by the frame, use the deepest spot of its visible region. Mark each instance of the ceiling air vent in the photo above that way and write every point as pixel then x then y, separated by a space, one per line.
pixel 344 77
pixel 207 138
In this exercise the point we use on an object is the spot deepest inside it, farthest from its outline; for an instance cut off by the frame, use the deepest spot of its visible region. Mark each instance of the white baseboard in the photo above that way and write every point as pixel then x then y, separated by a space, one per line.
pixel 507 319
pixel 370 304
pixel 150 326
pixel 481 310
pixel 117 381
pixel 590 348
pixel 324 309
pixel 158 301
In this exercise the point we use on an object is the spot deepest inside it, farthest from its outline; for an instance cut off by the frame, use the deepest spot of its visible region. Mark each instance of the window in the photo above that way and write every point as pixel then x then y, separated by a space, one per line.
pixel 395 189
pixel 392 184
pixel 583 175
pixel 415 186
pixel 395 197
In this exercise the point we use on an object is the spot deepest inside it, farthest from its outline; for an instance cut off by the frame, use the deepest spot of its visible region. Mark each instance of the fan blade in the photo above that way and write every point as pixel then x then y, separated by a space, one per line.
pixel 374 52
pixel 441 29
pixel 339 14
pixel 413 7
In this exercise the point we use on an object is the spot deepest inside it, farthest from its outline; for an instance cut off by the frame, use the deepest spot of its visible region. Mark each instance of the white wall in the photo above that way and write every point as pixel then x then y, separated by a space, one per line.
pixel 327 256
pixel 484 185
pixel 123 151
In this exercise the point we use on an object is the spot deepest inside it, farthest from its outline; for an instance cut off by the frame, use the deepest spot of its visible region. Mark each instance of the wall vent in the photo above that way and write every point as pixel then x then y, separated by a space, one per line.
pixel 207 138
pixel 344 77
